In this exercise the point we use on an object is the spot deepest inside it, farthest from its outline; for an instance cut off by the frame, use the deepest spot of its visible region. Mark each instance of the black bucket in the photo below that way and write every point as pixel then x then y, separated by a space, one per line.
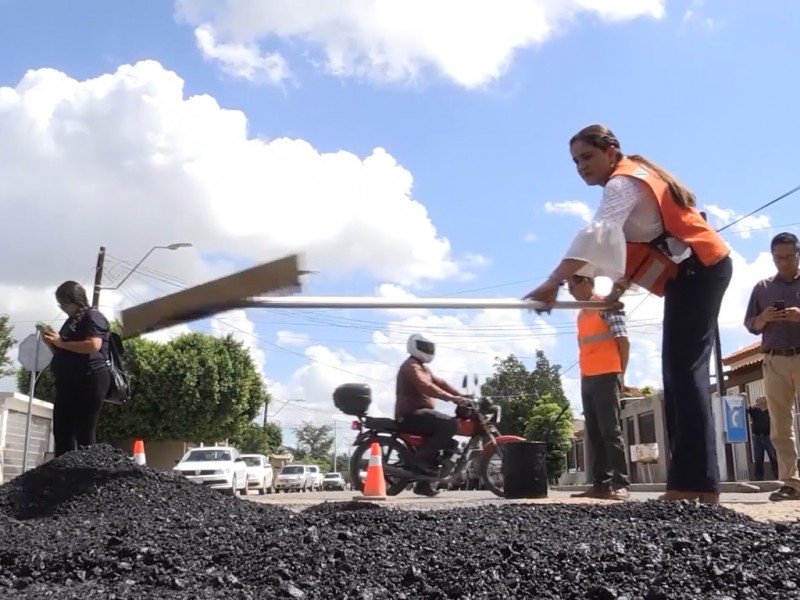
pixel 525 470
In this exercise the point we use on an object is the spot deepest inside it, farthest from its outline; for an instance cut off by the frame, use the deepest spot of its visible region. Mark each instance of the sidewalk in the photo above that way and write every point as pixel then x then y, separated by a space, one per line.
pixel 726 487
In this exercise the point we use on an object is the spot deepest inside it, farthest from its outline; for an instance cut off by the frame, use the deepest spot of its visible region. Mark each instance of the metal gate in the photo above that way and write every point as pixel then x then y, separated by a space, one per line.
pixel 15 442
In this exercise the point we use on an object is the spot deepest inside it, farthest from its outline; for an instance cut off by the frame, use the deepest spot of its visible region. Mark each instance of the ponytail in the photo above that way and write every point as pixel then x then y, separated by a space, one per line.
pixel 683 197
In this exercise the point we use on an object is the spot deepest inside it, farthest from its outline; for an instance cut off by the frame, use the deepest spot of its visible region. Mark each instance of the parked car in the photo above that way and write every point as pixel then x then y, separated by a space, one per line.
pixel 314 477
pixel 217 467
pixel 333 481
pixel 259 473
pixel 293 478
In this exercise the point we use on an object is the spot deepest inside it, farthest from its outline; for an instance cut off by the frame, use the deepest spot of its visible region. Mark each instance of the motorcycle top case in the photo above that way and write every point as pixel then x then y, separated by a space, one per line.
pixel 353 399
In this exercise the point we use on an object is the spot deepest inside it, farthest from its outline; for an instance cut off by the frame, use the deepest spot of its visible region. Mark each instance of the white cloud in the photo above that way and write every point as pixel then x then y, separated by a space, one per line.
pixel 470 42
pixel 167 335
pixel 570 207
pixel 743 228
pixel 129 150
pixel 467 344
pixel 531 237
pixel 696 14
pixel 243 61
pixel 292 338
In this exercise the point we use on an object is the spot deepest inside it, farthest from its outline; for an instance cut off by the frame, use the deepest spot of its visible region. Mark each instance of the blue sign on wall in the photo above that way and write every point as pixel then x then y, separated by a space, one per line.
pixel 735 419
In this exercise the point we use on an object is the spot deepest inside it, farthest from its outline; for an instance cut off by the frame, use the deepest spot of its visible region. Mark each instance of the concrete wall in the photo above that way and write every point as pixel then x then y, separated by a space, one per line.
pixel 13 424
pixel 630 415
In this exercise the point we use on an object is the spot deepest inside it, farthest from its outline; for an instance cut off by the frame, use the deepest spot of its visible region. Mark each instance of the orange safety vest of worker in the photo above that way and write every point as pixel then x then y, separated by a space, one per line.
pixel 598 350
pixel 646 265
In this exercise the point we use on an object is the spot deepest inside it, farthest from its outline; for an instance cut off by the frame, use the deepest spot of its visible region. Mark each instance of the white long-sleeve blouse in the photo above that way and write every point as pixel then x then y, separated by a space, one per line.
pixel 628 212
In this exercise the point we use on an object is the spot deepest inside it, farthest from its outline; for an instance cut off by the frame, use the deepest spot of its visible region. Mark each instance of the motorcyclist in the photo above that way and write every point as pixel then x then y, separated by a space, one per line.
pixel 415 409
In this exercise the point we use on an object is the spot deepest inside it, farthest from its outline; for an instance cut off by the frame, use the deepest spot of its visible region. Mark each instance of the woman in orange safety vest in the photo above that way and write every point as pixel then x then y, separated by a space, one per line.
pixel 648 231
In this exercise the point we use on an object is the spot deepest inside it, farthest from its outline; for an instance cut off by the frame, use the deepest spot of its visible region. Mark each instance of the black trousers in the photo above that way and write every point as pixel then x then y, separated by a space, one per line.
pixel 763 445
pixel 79 398
pixel 440 427
pixel 691 309
pixel 601 412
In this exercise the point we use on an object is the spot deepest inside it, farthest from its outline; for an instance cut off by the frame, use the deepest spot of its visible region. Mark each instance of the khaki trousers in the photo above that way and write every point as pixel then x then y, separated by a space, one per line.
pixel 782 383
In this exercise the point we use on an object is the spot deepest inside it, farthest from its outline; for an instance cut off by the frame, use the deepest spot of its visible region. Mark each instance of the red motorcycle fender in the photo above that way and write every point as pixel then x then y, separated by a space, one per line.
pixel 488 449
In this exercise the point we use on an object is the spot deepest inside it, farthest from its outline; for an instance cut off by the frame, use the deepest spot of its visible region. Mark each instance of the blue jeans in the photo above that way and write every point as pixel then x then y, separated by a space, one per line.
pixel 763 445
pixel 691 309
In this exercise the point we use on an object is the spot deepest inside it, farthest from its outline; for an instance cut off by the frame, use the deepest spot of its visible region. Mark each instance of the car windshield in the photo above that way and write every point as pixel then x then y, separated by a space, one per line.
pixel 207 455
pixel 332 475
pixel 252 461
pixel 292 470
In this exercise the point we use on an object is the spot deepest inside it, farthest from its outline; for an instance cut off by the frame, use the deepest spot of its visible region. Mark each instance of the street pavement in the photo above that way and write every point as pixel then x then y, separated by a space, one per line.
pixel 466 498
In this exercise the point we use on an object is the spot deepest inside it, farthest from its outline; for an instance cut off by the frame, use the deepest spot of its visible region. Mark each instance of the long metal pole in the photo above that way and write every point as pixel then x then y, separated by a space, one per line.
pixel 408 303
pixel 98 276
pixel 335 447
pixel 31 391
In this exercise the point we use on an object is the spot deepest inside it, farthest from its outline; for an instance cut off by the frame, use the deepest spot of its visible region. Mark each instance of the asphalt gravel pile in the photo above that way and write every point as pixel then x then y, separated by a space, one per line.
pixel 92 525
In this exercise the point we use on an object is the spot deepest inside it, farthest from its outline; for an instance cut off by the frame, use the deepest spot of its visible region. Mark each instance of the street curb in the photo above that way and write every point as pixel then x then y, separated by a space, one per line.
pixel 726 487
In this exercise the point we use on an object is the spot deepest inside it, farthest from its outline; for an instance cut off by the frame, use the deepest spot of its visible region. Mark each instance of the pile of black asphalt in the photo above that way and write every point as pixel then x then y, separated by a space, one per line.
pixel 92 525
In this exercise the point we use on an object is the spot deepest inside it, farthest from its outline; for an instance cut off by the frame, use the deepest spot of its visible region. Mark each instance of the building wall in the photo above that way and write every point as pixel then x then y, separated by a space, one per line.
pixel 13 424
pixel 755 389
pixel 643 423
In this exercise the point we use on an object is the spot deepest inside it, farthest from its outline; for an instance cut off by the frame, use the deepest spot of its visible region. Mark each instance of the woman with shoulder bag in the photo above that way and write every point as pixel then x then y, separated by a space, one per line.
pixel 80 369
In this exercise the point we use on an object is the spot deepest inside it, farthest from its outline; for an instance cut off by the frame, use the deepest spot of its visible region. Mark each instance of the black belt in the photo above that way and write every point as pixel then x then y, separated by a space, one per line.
pixel 783 351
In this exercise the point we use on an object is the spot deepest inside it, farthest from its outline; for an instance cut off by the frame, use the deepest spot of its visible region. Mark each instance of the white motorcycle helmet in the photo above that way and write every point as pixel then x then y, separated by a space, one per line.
pixel 421 347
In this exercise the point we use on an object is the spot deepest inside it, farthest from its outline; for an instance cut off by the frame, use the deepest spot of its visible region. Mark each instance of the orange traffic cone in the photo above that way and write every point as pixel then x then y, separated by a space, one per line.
pixel 375 484
pixel 138 453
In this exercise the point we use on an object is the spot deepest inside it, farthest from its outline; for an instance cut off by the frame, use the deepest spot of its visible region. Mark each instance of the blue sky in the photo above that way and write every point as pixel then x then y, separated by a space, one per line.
pixel 708 89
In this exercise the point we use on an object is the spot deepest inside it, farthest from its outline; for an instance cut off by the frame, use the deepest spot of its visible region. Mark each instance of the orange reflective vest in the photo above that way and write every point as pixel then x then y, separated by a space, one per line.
pixel 648 266
pixel 599 353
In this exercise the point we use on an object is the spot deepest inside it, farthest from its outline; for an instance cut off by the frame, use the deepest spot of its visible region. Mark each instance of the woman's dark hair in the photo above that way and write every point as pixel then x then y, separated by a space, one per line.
pixel 599 136
pixel 72 292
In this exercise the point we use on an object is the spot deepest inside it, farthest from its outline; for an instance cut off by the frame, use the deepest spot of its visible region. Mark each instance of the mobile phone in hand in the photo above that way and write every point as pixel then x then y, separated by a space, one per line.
pixel 779 305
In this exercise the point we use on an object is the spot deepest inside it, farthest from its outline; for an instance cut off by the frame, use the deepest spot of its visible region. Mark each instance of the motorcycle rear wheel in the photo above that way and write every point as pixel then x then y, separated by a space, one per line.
pixel 388 445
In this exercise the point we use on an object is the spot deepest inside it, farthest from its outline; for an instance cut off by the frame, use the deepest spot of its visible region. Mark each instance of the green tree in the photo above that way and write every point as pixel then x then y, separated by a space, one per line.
pixel 518 390
pixel 6 342
pixel 197 387
pixel 314 442
pixel 45 384
pixel 255 439
pixel 543 427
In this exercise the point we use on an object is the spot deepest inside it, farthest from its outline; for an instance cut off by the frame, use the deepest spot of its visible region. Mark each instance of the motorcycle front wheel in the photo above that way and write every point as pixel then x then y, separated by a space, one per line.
pixel 491 469
pixel 392 453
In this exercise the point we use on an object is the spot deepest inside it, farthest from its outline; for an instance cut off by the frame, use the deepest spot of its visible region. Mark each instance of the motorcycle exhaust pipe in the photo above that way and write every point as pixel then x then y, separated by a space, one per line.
pixel 401 473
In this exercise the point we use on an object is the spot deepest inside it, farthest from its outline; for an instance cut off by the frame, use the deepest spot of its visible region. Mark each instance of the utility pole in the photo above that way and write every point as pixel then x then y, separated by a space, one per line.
pixel 335 447
pixel 98 276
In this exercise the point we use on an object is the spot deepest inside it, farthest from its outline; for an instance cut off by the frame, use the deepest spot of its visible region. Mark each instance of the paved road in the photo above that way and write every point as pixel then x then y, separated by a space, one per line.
pixel 461 498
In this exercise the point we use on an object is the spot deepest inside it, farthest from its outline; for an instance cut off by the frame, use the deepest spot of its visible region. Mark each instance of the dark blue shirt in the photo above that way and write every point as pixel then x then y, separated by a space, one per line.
pixel 90 324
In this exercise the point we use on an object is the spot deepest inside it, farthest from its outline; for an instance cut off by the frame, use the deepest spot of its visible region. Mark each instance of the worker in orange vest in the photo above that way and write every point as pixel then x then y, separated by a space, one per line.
pixel 648 232
pixel 603 357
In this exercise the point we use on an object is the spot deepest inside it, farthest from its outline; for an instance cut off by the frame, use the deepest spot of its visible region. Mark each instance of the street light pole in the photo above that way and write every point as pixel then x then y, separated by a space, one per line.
pixel 335 447
pixel 285 403
pixel 98 278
